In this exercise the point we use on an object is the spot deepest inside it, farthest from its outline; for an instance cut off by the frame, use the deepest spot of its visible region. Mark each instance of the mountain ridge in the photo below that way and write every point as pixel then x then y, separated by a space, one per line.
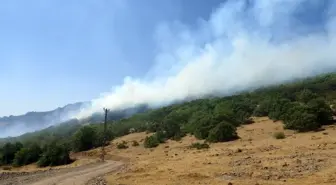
pixel 34 120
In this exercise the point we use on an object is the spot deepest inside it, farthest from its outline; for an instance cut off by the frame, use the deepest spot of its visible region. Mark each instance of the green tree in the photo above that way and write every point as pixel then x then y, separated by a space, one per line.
pixel 223 132
pixel 322 110
pixel 54 154
pixel 263 108
pixel 300 119
pixel 151 141
pixel 27 155
pixel 201 123
pixel 203 127
pixel 100 136
pixel 170 128
pixel 8 152
pixel 279 107
pixel 84 139
pixel 306 95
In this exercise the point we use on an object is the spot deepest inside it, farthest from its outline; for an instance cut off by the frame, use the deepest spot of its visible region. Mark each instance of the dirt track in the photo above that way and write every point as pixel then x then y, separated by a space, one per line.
pixel 71 176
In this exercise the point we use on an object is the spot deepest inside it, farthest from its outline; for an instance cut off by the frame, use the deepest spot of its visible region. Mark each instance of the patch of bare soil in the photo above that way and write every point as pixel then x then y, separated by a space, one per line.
pixel 82 175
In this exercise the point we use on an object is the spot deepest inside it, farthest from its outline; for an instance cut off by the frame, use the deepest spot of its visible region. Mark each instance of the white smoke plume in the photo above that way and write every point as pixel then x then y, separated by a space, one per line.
pixel 244 44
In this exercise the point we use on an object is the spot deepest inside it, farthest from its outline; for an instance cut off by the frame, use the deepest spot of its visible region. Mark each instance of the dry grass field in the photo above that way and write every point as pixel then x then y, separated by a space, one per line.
pixel 256 158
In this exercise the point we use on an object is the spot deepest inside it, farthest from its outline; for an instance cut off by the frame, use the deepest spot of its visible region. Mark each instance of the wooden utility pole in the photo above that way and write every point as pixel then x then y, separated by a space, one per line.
pixel 104 135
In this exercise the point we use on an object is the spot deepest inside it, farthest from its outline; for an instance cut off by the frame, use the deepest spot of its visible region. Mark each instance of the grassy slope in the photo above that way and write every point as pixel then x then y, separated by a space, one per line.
pixel 300 158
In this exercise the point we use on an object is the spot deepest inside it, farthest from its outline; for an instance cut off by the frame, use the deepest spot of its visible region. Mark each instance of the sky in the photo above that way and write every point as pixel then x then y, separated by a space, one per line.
pixel 122 53
pixel 55 52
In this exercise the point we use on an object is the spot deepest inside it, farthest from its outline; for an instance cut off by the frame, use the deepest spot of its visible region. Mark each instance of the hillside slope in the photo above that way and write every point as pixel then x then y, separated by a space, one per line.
pixel 256 158
pixel 245 104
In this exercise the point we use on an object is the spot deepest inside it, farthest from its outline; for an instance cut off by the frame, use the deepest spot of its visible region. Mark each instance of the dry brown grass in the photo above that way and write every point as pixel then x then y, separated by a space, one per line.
pixel 308 158
pixel 256 158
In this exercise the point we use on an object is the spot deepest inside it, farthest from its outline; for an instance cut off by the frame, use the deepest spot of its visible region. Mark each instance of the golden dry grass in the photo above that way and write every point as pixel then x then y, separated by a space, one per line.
pixel 256 158
pixel 305 158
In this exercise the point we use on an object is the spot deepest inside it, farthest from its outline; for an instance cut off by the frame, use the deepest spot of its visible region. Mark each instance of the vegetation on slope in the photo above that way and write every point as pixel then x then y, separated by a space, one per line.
pixel 302 106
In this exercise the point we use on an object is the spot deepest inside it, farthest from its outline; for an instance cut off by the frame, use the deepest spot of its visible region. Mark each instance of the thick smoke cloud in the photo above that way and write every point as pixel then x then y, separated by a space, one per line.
pixel 243 45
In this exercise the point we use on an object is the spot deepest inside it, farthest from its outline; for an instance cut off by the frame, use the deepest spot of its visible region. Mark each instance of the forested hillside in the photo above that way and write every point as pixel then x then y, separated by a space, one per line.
pixel 304 105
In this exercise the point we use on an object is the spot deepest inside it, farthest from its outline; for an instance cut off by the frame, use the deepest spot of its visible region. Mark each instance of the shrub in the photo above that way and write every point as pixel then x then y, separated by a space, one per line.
pixel 151 141
pixel 20 157
pixel 199 146
pixel 178 137
pixel 202 124
pixel 222 132
pixel 322 111
pixel 54 154
pixel 301 120
pixel 279 135
pixel 306 95
pixel 135 143
pixel 122 145
pixel 109 135
pixel 27 155
pixel 1 158
pixel 160 136
pixel 8 152
pixel 279 109
pixel 84 139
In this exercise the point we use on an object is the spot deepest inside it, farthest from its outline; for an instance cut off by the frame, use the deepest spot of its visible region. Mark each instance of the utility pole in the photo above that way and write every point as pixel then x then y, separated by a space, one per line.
pixel 104 135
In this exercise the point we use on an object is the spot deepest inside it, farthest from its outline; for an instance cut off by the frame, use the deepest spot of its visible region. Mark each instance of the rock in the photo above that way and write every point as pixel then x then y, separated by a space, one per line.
pixel 285 164
pixel 239 150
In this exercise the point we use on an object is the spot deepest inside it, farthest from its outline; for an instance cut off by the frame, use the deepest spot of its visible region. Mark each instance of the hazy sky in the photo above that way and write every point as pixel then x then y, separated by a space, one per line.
pixel 54 52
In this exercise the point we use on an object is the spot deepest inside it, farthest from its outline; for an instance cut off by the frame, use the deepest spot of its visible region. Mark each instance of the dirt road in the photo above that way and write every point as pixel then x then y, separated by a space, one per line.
pixel 70 176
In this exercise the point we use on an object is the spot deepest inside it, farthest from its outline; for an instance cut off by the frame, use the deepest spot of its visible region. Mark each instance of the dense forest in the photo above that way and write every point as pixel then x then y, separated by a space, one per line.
pixel 304 105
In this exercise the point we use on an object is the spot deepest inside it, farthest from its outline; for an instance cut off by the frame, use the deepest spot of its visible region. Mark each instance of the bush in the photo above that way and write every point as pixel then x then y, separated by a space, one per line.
pixel 27 155
pixel 170 128
pixel 222 132
pixel 306 95
pixel 1 158
pixel 322 111
pixel 160 136
pixel 199 146
pixel 109 135
pixel 122 145
pixel 178 137
pixel 279 135
pixel 54 154
pixel 84 139
pixel 200 123
pixel 20 157
pixel 8 152
pixel 135 143
pixel 301 120
pixel 151 141
pixel 279 109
